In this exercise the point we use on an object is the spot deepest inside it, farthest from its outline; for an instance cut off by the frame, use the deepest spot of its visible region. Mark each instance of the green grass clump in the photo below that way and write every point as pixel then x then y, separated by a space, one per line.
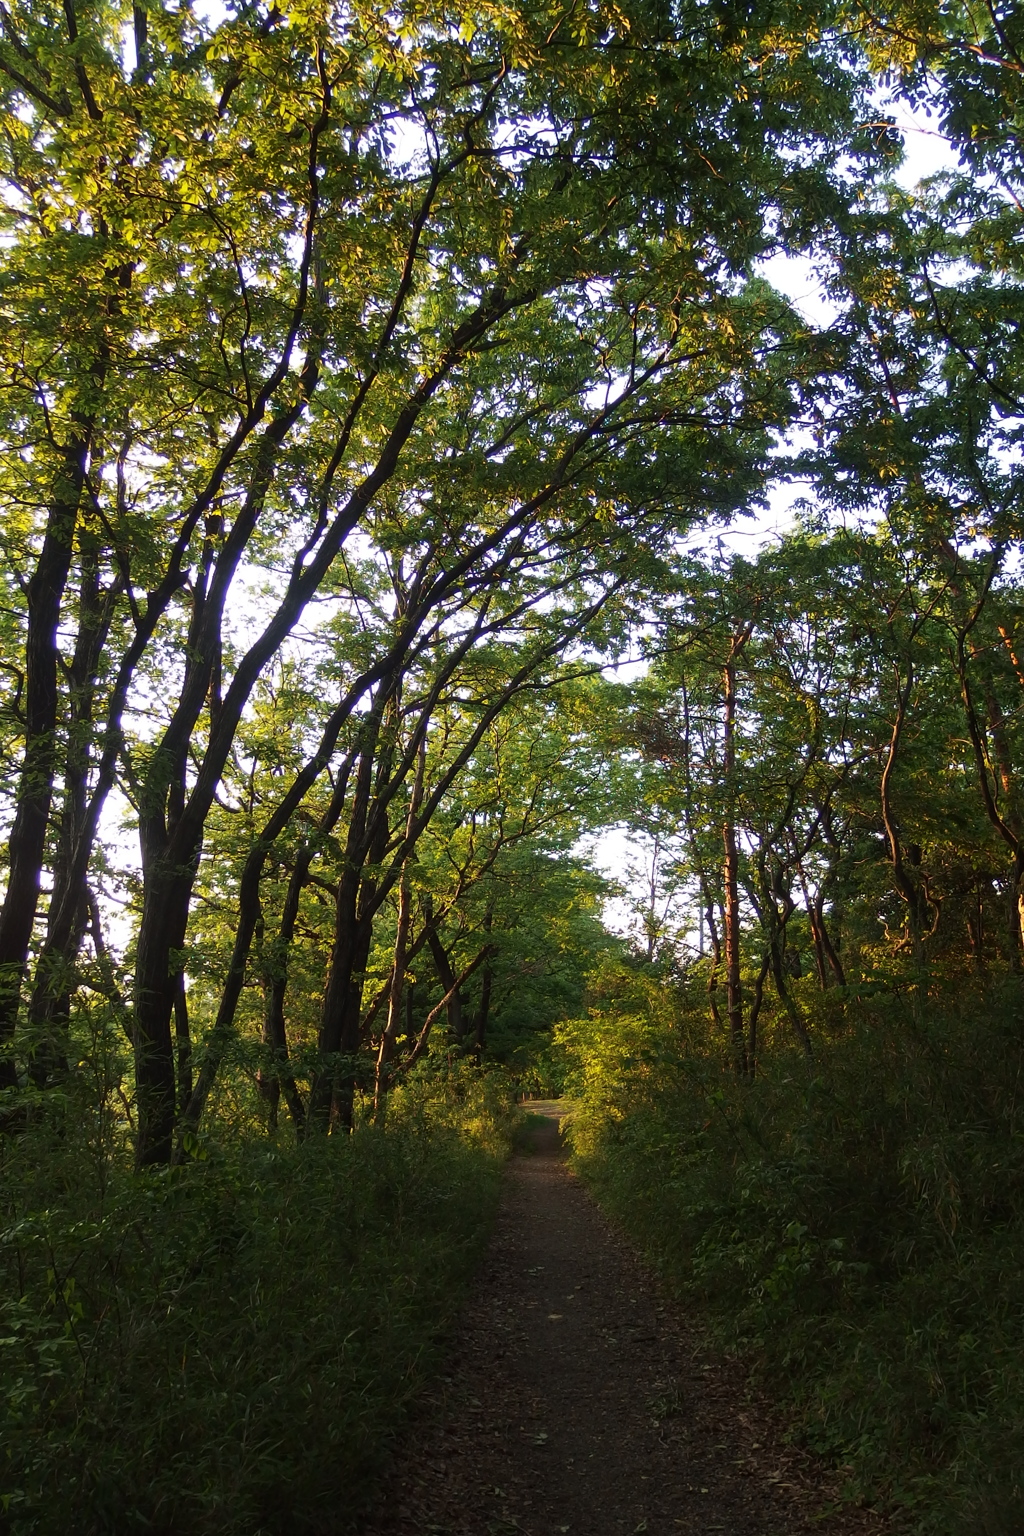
pixel 856 1224
pixel 227 1346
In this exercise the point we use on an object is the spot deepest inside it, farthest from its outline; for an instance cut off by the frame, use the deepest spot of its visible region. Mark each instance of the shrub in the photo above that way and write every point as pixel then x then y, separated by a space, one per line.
pixel 857 1225
pixel 226 1346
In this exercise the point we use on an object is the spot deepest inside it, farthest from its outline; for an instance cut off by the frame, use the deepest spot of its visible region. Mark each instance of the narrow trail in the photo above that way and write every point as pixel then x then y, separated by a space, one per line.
pixel 577 1402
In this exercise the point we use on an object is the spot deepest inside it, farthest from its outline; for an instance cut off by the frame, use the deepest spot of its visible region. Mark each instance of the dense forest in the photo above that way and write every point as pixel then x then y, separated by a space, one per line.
pixel 381 388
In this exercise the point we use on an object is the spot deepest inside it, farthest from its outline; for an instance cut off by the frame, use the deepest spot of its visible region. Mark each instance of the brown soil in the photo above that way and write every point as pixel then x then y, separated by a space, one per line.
pixel 579 1401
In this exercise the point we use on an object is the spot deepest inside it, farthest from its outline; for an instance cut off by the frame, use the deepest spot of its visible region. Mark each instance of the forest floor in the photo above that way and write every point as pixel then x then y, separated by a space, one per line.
pixel 579 1400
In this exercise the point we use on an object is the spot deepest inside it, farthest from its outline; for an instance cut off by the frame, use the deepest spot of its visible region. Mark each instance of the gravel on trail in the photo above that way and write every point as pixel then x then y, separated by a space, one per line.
pixel 578 1400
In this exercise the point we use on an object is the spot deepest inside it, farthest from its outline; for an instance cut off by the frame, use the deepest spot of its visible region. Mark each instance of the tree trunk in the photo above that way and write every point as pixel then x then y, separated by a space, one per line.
pixel 780 894
pixel 401 957
pixel 813 918
pixel 831 953
pixel 275 986
pixel 907 881
pixel 483 1012
pixel 446 976
pixel 1009 825
pixel 333 1090
pixel 344 1076
pixel 714 938
pixel 39 765
pixel 755 1014
pixel 182 1043
pixel 786 998
pixel 396 992
pixel 831 883
pixel 730 879
pixel 67 917
pixel 168 891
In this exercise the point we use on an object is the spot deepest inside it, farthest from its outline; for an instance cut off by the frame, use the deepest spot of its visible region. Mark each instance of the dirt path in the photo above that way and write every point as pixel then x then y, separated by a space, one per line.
pixel 578 1402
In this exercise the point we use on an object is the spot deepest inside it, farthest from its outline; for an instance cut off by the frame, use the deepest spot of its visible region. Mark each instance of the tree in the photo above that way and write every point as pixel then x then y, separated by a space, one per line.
pixel 292 258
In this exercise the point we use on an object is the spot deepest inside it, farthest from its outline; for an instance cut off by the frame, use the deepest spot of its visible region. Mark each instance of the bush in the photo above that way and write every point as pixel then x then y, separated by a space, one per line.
pixel 857 1225
pixel 225 1347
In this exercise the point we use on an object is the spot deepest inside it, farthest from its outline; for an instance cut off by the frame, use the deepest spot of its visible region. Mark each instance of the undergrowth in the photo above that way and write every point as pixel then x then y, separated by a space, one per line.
pixel 855 1224
pixel 225 1347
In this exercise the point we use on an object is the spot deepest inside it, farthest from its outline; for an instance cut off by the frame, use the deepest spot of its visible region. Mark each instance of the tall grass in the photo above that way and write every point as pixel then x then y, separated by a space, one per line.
pixel 856 1224
pixel 226 1347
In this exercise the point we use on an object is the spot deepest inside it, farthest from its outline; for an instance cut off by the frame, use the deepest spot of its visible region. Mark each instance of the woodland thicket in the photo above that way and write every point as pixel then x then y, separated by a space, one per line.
pixel 374 383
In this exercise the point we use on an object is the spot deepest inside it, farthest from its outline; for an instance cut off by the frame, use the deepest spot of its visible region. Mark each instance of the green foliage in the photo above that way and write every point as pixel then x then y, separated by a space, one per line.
pixel 455 1096
pixel 225 1347
pixel 856 1225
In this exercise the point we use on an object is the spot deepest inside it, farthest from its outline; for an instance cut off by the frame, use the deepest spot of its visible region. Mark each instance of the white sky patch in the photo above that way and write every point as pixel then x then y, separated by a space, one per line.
pixel 213 12
pixel 626 671
pixel 612 852
pixel 927 150
pixel 625 857
pixel 799 279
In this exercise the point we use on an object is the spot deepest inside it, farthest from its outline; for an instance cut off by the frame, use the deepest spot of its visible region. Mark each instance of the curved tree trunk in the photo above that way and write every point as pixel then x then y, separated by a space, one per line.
pixel 39 765
pixel 68 913
pixel 446 976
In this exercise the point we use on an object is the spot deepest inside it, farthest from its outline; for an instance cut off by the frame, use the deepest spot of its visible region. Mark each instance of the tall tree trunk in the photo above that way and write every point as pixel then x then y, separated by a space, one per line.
pixel 396 993
pixel 777 952
pixel 446 976
pixel 813 918
pixel 831 884
pixel 335 1010
pixel 715 940
pixel 396 990
pixel 345 1075
pixel 268 1084
pixel 67 916
pixel 1008 824
pixel 182 1043
pixel 483 1012
pixel 756 1005
pixel 831 953
pixel 707 905
pixel 333 1090
pixel 907 881
pixel 279 1075
pixel 39 764
pixel 276 957
pixel 730 875
pixel 167 895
